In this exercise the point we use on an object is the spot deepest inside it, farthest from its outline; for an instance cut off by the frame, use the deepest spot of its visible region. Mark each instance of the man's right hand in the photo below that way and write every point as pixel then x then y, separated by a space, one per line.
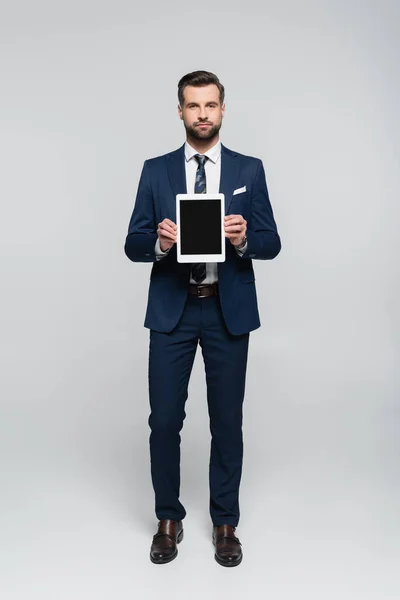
pixel 167 234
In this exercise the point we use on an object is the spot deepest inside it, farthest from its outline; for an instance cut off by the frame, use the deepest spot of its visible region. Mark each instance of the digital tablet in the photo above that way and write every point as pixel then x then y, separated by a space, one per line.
pixel 200 225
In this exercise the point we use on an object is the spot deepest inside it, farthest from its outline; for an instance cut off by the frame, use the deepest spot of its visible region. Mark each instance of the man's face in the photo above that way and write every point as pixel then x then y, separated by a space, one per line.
pixel 202 112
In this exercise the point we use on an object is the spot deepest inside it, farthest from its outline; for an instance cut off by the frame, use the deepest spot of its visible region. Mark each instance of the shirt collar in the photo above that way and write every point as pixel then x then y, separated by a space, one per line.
pixel 213 153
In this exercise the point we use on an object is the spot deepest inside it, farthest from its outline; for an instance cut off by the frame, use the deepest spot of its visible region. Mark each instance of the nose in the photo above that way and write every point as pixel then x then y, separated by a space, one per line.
pixel 203 114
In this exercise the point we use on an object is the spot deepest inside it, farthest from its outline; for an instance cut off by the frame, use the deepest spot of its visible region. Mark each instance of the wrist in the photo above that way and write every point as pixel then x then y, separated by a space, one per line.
pixel 242 243
pixel 166 249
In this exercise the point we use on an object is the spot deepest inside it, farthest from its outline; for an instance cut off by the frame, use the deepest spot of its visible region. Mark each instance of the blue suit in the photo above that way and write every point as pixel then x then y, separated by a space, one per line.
pixel 178 322
pixel 162 178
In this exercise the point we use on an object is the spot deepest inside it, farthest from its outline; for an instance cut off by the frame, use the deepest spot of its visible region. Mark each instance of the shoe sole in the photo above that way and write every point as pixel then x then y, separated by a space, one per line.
pixel 230 563
pixel 162 561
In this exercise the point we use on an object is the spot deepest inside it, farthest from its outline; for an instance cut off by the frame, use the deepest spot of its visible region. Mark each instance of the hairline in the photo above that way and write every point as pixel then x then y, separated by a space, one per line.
pixel 199 86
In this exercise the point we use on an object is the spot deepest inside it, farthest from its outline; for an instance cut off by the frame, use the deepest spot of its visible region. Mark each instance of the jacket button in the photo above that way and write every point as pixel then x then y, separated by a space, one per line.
pixel 252 255
pixel 147 254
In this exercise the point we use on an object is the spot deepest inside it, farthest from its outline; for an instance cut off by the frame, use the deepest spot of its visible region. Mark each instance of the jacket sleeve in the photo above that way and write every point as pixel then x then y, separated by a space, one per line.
pixel 142 231
pixel 263 241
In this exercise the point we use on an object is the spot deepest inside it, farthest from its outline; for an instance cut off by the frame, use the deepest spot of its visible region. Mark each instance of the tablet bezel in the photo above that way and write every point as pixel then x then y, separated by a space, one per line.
pixel 206 258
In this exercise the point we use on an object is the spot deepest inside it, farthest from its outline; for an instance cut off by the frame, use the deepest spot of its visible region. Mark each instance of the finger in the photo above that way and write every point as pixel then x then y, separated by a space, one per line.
pixel 233 217
pixel 167 236
pixel 164 227
pixel 231 236
pixel 170 223
pixel 237 219
pixel 230 224
pixel 237 228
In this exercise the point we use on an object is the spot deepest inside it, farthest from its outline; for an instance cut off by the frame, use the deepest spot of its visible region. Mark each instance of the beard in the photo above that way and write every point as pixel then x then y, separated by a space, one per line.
pixel 202 134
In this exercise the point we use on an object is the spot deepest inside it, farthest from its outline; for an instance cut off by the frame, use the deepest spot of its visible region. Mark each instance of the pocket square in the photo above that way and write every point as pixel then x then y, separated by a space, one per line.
pixel 239 190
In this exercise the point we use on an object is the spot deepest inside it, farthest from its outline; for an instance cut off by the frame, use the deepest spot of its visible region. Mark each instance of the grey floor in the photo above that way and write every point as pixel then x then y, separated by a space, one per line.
pixel 319 507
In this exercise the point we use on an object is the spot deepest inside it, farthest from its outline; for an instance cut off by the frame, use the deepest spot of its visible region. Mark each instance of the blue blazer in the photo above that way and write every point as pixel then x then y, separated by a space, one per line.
pixel 161 179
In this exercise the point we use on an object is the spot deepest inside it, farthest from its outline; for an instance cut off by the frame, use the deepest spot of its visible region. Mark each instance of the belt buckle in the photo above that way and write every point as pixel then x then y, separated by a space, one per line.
pixel 199 288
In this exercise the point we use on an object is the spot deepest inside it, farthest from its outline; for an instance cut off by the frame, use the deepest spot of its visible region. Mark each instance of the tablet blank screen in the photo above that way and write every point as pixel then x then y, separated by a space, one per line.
pixel 200 226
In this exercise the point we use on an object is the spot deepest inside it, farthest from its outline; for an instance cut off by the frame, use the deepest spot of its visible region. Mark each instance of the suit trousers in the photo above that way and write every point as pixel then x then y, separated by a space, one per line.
pixel 171 357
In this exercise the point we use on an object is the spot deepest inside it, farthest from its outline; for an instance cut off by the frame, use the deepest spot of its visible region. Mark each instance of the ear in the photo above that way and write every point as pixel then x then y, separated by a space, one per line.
pixel 223 109
pixel 180 111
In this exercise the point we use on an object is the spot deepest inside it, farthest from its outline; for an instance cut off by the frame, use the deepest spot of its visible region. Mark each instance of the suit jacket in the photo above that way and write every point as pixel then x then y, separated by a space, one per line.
pixel 161 179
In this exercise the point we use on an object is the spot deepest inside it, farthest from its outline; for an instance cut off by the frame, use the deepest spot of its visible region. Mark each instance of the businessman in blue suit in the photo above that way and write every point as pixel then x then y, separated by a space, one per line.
pixel 214 305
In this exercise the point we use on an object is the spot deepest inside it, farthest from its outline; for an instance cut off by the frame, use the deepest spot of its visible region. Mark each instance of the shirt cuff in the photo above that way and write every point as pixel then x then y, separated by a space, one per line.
pixel 241 251
pixel 158 252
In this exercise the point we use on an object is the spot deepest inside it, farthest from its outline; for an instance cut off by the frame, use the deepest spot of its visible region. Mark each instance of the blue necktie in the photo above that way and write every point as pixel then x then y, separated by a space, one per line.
pixel 199 269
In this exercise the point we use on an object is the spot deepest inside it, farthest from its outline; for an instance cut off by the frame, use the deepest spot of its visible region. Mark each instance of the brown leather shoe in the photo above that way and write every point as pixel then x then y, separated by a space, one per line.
pixel 164 546
pixel 228 551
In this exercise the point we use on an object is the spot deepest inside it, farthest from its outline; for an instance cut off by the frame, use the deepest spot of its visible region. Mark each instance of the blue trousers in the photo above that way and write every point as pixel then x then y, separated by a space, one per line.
pixel 171 357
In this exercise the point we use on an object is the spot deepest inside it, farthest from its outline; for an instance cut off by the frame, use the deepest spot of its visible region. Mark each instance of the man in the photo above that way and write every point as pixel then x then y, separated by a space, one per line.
pixel 212 304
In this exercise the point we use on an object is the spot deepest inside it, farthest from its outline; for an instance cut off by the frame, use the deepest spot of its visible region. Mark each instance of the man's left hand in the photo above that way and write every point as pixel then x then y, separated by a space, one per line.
pixel 235 229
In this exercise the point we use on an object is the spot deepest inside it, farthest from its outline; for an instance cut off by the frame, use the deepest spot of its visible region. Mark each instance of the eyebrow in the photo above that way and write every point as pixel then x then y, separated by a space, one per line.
pixel 196 103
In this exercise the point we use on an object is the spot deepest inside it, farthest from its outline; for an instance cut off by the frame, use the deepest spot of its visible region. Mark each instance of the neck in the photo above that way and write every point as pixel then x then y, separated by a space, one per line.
pixel 202 145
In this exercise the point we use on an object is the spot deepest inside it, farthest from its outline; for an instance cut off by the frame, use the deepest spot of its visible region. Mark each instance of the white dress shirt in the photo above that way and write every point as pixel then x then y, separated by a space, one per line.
pixel 213 175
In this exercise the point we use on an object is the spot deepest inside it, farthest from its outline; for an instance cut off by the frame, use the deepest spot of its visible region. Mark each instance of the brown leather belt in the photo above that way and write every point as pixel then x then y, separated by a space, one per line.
pixel 203 290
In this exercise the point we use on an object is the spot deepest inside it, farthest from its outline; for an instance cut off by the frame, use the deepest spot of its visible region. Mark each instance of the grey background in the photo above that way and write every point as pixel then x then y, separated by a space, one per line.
pixel 88 92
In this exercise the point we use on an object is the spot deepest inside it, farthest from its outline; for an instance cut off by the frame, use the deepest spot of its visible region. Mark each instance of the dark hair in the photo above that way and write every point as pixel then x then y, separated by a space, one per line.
pixel 199 79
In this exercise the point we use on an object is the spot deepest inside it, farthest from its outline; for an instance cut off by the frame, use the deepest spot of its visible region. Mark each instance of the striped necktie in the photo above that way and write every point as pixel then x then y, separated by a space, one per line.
pixel 200 187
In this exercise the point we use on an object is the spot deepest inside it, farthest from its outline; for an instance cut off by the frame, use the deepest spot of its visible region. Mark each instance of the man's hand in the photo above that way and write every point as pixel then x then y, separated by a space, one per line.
pixel 235 229
pixel 167 234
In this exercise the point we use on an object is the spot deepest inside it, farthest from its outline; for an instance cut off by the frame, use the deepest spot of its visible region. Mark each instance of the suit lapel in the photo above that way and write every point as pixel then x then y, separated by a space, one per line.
pixel 229 174
pixel 176 171
pixel 177 177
